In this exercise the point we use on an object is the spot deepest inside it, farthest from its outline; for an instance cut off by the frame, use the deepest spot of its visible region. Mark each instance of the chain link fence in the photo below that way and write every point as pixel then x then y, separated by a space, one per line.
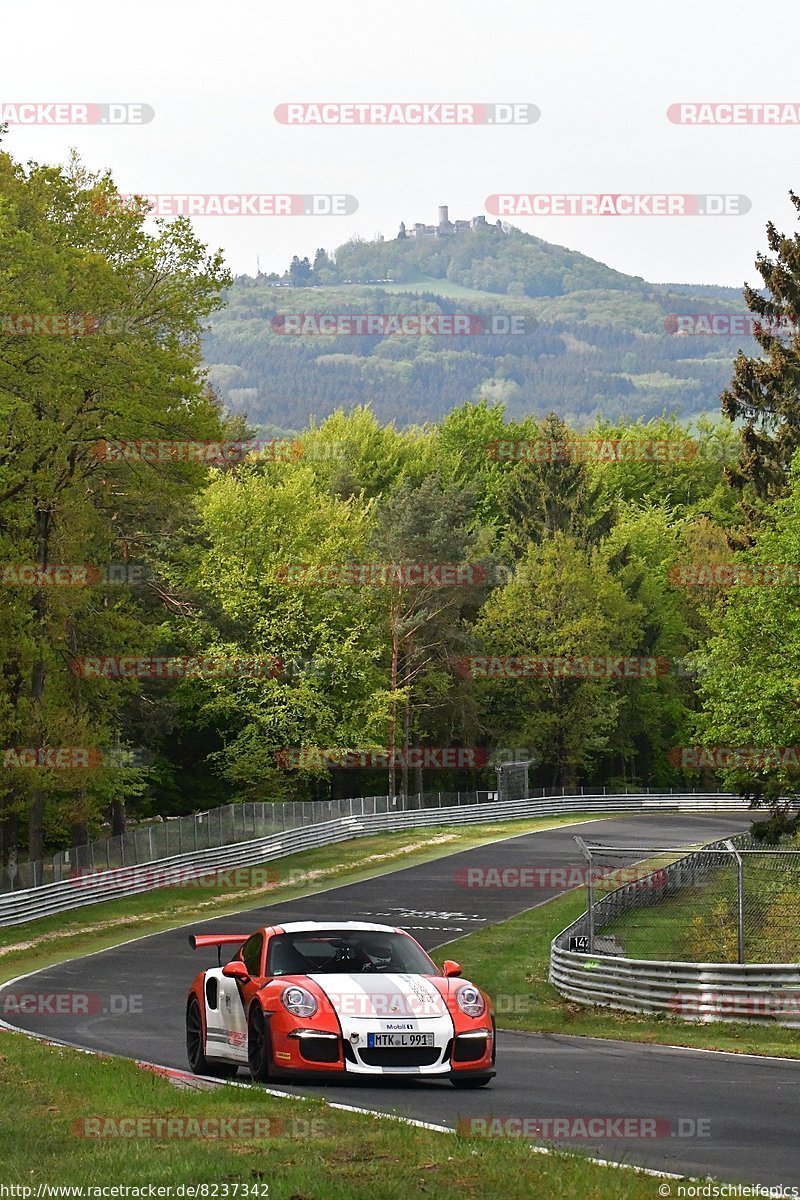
pixel 246 821
pixel 207 830
pixel 730 902
pixel 513 779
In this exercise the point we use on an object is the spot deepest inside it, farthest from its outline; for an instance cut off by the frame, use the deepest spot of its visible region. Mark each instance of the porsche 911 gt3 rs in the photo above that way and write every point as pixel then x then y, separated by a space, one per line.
pixel 336 999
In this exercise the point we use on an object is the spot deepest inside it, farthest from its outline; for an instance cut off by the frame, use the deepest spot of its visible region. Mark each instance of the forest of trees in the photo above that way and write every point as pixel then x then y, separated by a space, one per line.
pixel 191 554
pixel 585 355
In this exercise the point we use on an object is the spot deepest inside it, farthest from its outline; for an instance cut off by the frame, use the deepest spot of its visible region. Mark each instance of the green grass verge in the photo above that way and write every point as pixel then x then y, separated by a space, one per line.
pixel 310 1152
pixel 50 940
pixel 512 961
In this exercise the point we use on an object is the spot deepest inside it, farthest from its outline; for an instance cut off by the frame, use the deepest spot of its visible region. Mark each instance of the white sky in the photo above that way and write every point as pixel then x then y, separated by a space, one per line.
pixel 603 75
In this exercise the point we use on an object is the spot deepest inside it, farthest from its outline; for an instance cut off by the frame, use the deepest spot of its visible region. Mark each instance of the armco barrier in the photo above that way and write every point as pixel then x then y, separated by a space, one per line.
pixel 744 992
pixel 18 907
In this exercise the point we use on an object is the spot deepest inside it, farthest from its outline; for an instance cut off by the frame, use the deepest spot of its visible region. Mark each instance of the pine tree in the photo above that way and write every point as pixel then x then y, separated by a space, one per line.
pixel 765 390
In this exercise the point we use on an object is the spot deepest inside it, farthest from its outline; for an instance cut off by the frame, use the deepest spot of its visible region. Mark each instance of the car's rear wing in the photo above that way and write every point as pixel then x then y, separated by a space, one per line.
pixel 199 940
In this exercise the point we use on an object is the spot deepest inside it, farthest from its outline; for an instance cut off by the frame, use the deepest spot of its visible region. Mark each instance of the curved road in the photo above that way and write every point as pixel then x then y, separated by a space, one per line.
pixel 748 1105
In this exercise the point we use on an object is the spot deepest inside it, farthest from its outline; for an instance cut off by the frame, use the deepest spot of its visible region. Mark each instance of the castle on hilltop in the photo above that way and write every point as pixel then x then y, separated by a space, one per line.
pixel 446 227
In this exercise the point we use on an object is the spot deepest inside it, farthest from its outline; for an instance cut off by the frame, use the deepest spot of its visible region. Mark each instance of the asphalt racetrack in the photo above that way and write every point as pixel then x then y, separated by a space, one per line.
pixel 750 1105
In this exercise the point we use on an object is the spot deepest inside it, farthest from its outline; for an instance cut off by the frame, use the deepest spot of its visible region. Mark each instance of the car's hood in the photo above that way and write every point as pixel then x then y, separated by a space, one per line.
pixel 379 995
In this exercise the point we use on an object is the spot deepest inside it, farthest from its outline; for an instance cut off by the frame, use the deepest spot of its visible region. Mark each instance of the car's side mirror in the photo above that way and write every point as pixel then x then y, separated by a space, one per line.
pixel 236 970
pixel 451 968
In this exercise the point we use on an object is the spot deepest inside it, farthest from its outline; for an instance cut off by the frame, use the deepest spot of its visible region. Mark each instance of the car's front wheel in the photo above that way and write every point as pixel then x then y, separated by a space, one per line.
pixel 258 1045
pixel 198 1062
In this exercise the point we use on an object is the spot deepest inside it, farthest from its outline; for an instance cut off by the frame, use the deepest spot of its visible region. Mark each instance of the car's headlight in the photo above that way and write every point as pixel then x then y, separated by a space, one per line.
pixel 298 1001
pixel 470 1001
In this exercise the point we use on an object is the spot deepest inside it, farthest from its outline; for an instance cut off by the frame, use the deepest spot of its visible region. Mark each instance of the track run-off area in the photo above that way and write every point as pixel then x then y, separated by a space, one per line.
pixel 745 1106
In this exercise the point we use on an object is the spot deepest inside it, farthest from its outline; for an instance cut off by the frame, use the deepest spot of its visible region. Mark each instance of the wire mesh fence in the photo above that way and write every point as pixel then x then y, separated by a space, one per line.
pixel 245 821
pixel 513 775
pixel 207 830
pixel 729 902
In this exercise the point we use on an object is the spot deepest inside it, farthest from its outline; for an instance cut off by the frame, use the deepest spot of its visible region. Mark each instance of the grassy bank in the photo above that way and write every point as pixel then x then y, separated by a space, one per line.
pixel 50 1099
pixel 512 961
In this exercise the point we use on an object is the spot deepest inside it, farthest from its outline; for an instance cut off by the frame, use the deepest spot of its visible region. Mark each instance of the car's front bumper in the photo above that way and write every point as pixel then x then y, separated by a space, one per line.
pixel 305 1052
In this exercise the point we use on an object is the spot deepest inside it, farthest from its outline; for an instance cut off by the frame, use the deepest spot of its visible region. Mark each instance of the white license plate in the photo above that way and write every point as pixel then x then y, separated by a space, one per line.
pixel 377 1040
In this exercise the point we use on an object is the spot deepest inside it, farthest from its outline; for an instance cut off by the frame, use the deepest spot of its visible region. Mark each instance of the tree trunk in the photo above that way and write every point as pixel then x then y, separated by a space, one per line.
pixel 36 809
pixel 404 764
pixel 118 819
pixel 393 717
pixel 9 832
pixel 79 832
pixel 38 673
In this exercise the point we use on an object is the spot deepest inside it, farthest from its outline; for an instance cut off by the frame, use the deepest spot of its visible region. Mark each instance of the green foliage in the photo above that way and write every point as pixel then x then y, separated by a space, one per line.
pixel 124 366
pixel 590 343
pixel 712 935
pixel 778 826
pixel 763 392
pixel 578 553
pixel 562 602
pixel 751 662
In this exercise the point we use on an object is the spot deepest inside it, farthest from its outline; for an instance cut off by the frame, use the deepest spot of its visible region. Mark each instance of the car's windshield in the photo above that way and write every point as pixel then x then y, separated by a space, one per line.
pixel 325 951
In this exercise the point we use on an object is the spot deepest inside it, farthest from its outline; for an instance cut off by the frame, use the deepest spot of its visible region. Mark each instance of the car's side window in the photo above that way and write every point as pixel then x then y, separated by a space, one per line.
pixel 251 953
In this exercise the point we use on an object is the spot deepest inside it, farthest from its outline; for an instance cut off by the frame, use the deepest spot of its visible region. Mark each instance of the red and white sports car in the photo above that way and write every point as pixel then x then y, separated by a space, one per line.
pixel 337 999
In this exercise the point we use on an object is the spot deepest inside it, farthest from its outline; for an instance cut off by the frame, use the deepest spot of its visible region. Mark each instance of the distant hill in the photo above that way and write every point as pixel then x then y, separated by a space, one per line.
pixel 594 340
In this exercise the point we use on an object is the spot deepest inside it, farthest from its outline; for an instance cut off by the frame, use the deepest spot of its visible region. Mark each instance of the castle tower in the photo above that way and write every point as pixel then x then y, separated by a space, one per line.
pixel 443 217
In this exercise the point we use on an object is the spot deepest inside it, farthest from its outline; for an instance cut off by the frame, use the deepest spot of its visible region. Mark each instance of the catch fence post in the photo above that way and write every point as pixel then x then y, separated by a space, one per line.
pixel 587 854
pixel 739 900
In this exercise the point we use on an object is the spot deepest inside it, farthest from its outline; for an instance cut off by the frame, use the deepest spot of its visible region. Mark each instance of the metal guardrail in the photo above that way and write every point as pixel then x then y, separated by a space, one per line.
pixel 54 898
pixel 242 822
pixel 752 992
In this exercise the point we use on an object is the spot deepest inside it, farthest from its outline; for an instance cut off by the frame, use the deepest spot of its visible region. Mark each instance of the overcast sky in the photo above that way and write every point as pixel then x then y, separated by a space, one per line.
pixel 602 74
